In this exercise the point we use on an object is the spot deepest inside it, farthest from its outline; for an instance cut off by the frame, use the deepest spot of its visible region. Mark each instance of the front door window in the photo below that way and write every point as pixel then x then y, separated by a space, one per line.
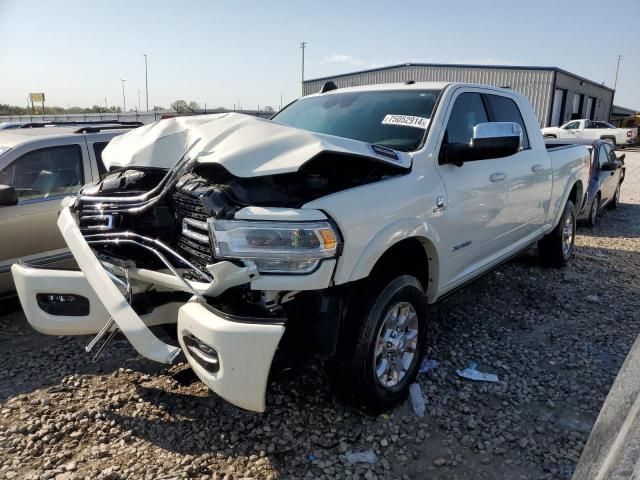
pixel 45 173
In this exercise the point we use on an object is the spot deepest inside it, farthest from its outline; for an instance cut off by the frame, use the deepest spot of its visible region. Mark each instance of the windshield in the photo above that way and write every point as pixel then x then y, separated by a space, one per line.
pixel 394 119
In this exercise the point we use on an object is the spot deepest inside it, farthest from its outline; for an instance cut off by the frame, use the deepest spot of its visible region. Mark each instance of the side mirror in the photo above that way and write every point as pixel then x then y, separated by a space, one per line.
pixel 609 166
pixel 490 140
pixel 8 196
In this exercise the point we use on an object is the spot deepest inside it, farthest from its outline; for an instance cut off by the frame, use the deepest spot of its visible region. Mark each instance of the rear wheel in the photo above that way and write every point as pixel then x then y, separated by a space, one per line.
pixel 389 335
pixel 613 204
pixel 556 248
pixel 593 212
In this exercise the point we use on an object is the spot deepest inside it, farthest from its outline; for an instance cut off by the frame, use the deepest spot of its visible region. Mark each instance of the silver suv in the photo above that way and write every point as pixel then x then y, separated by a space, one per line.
pixel 39 167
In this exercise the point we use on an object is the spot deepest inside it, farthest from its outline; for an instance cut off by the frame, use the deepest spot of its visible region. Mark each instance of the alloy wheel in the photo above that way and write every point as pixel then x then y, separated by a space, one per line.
pixel 396 344
pixel 568 232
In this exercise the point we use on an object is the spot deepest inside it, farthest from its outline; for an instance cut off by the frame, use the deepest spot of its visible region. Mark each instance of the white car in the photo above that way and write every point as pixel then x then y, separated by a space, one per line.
pixel 593 130
pixel 332 226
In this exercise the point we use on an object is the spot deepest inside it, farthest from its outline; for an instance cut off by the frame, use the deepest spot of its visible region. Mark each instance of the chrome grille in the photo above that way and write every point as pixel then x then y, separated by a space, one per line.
pixel 193 239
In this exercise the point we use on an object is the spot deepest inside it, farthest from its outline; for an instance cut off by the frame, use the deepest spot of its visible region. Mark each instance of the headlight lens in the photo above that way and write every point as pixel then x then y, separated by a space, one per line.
pixel 275 247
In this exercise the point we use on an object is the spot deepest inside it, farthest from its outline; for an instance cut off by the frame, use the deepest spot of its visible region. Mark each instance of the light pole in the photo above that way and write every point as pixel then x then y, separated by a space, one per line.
pixel 139 101
pixel 615 83
pixel 280 101
pixel 303 45
pixel 146 81
pixel 124 100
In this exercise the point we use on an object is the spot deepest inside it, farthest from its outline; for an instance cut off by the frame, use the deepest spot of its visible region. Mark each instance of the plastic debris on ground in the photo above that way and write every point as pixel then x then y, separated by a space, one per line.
pixel 593 298
pixel 368 456
pixel 417 400
pixel 311 457
pixel 428 364
pixel 472 373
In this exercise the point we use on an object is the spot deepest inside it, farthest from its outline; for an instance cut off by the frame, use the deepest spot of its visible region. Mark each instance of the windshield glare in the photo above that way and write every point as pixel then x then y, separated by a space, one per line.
pixel 360 116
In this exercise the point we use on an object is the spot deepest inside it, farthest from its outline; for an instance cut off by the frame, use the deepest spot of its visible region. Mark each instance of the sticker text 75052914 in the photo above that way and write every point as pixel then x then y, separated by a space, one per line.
pixel 406 121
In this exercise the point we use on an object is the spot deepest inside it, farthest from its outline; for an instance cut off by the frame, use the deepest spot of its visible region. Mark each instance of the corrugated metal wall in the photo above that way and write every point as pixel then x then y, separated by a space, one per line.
pixel 537 85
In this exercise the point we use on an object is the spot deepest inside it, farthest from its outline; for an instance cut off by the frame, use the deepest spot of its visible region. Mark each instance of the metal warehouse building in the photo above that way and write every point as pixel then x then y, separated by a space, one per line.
pixel 556 95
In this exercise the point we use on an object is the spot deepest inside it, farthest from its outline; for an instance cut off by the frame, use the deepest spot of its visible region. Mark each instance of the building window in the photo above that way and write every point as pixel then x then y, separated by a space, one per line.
pixel 576 111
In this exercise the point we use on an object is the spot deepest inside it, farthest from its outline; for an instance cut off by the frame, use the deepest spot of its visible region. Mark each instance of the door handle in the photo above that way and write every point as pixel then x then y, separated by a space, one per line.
pixel 497 177
pixel 538 167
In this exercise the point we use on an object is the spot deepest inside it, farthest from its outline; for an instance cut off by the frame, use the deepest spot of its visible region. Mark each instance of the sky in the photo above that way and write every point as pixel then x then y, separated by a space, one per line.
pixel 245 52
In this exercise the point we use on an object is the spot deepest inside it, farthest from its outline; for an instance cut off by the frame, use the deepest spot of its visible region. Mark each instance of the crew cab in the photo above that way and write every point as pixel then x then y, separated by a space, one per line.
pixel 331 226
pixel 593 130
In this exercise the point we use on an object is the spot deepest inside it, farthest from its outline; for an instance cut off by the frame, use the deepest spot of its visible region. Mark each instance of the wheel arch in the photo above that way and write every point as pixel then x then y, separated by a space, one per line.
pixel 609 137
pixel 414 253
pixel 577 195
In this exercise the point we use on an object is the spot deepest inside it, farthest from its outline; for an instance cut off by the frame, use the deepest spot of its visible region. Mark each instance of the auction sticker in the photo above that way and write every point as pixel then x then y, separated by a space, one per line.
pixel 406 121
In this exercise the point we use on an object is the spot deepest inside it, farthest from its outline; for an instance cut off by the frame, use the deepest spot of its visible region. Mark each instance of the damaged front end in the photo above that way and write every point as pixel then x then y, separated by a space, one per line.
pixel 233 260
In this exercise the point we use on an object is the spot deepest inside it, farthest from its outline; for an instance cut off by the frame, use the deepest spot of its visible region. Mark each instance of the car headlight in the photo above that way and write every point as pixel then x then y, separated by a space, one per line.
pixel 275 247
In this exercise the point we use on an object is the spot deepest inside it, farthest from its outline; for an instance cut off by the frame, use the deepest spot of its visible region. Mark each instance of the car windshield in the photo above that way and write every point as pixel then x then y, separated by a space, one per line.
pixel 394 119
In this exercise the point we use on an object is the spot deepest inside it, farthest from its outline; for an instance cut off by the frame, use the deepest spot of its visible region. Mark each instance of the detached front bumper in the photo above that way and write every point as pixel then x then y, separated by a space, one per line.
pixel 244 347
pixel 231 355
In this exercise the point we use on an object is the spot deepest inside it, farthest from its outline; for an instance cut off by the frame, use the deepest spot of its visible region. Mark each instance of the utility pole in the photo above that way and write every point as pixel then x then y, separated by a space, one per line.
pixel 303 45
pixel 615 83
pixel 106 107
pixel 146 81
pixel 280 101
pixel 139 109
pixel 124 99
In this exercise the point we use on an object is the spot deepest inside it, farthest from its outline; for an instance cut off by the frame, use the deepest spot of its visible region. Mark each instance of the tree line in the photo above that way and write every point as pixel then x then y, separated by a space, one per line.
pixel 6 109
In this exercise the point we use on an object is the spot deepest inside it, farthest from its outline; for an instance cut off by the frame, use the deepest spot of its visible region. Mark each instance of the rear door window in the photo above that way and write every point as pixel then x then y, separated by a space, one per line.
pixel 504 109
pixel 45 173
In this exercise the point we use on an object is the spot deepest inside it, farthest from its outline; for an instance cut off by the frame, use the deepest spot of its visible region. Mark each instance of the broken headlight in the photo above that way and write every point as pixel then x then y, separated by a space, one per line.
pixel 275 247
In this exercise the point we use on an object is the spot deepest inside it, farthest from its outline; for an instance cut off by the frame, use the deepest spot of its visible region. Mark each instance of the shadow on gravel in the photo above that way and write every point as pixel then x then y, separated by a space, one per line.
pixel 31 361
pixel 619 223
pixel 302 417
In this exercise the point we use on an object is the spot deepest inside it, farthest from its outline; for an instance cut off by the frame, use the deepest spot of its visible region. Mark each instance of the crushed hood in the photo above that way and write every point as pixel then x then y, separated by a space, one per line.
pixel 246 146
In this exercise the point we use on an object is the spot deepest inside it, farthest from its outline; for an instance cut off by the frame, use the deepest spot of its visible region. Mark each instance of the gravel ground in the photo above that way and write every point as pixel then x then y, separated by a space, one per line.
pixel 556 339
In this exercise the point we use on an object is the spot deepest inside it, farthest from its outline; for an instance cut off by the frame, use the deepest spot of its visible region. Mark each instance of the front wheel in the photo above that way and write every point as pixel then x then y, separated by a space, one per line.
pixel 556 248
pixel 389 335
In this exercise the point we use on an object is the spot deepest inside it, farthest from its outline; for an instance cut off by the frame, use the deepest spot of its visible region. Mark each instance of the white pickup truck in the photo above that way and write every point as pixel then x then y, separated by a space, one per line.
pixel 593 130
pixel 332 226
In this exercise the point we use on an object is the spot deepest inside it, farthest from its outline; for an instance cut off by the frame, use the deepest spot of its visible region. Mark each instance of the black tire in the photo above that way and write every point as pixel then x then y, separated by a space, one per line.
pixel 615 201
pixel 352 371
pixel 593 211
pixel 552 248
